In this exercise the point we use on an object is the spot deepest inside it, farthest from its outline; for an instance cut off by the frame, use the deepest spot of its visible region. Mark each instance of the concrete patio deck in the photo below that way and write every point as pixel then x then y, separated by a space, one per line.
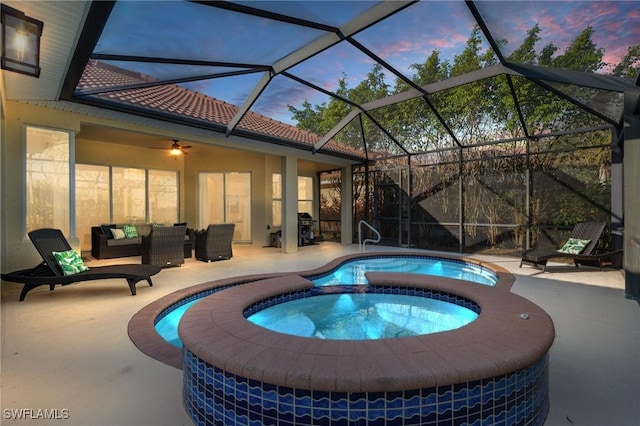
pixel 66 354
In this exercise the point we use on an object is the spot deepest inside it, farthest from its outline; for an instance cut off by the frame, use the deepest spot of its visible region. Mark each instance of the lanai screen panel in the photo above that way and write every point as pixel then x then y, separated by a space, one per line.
pixel 414 125
pixel 494 195
pixel 218 64
pixel 608 103
pixel 411 40
pixel 568 181
pixel 350 138
pixel 547 113
pixel 560 30
pixel 192 31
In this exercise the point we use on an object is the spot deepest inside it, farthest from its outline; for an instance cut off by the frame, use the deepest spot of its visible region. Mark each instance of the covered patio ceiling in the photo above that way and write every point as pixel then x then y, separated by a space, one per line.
pixel 245 68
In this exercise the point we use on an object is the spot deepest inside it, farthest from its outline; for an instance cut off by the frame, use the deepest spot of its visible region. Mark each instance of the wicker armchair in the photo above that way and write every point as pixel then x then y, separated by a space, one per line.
pixel 214 243
pixel 164 246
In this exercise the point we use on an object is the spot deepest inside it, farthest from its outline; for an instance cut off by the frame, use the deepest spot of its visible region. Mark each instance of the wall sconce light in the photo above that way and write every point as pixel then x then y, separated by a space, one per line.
pixel 20 42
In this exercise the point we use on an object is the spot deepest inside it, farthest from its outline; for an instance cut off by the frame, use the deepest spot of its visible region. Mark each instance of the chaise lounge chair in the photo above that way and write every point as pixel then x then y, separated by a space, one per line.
pixel 47 241
pixel 581 247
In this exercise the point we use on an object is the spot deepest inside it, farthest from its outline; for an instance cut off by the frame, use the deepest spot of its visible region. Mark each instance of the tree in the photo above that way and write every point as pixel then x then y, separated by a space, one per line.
pixel 629 65
pixel 309 117
pixel 484 111
pixel 320 119
pixel 526 52
pixel 582 54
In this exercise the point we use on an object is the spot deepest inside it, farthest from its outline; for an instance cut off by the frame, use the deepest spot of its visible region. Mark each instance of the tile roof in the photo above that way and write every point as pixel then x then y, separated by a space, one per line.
pixel 109 83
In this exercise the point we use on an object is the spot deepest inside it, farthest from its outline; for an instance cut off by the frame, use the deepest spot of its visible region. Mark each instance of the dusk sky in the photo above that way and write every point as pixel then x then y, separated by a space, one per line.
pixel 408 37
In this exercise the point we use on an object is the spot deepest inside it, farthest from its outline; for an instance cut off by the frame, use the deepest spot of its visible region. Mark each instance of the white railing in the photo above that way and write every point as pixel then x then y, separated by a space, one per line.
pixel 367 240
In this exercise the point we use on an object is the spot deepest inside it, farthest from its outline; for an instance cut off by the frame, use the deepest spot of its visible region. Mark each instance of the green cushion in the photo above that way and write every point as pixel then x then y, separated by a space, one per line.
pixel 130 231
pixel 574 246
pixel 70 262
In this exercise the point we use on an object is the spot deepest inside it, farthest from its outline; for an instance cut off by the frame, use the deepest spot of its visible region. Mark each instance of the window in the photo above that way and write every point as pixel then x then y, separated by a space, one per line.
pixel 48 179
pixel 163 196
pixel 106 194
pixel 305 195
pixel 226 198
pixel 93 203
pixel 276 200
pixel 128 196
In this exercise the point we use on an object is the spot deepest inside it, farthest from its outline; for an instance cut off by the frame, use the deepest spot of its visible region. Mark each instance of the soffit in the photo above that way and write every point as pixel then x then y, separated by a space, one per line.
pixel 63 21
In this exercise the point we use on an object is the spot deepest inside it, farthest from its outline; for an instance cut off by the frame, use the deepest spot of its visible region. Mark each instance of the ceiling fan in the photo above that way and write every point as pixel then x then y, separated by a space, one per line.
pixel 176 148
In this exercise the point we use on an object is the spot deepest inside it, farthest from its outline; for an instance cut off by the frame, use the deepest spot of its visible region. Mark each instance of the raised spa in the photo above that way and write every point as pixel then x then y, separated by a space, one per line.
pixel 493 370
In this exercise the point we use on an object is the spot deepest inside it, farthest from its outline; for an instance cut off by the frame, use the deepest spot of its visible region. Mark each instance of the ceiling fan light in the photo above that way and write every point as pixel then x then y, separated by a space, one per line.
pixel 175 151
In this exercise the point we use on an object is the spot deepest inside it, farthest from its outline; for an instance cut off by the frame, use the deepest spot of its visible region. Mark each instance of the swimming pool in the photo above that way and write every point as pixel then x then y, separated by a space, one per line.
pixel 353 272
pixel 492 371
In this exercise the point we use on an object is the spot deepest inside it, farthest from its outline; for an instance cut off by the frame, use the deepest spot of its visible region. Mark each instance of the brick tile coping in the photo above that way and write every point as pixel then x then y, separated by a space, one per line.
pixel 497 342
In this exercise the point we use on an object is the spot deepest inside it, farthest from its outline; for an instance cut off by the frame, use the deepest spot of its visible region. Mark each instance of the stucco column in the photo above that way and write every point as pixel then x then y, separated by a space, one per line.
pixel 346 208
pixel 289 204
pixel 631 162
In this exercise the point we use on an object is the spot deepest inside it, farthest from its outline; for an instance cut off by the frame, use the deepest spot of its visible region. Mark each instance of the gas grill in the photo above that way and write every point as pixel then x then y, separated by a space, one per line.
pixel 305 229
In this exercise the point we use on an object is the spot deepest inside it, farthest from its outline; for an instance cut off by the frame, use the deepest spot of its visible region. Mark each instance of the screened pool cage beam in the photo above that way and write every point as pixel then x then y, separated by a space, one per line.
pixel 514 95
pixel 485 30
pixel 416 92
pixel 532 138
pixel 531 72
pixel 364 141
pixel 573 78
pixel 334 35
pixel 251 99
pixel 575 102
pixel 163 82
pixel 441 120
pixel 353 104
pixel 462 181
pixel 402 77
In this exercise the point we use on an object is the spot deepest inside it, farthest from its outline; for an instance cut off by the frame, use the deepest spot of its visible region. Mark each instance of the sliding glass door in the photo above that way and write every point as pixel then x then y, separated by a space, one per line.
pixel 226 198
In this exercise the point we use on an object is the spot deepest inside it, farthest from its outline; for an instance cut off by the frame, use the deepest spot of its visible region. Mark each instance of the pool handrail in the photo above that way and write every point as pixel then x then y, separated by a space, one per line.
pixel 361 243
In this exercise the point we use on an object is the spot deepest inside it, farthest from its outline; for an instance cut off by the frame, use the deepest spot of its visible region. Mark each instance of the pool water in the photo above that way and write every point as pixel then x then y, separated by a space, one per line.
pixel 167 327
pixel 353 272
pixel 363 316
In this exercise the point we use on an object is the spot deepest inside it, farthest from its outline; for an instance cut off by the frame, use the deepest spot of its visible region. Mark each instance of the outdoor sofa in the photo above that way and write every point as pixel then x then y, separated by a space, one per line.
pixel 105 246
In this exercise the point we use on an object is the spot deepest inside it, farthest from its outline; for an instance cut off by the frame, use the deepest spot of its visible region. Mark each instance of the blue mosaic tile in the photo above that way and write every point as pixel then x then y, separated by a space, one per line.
pixel 236 401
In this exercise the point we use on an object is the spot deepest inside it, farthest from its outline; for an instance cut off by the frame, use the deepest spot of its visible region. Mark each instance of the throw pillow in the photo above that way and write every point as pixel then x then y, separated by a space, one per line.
pixel 130 231
pixel 106 229
pixel 117 233
pixel 574 246
pixel 70 262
